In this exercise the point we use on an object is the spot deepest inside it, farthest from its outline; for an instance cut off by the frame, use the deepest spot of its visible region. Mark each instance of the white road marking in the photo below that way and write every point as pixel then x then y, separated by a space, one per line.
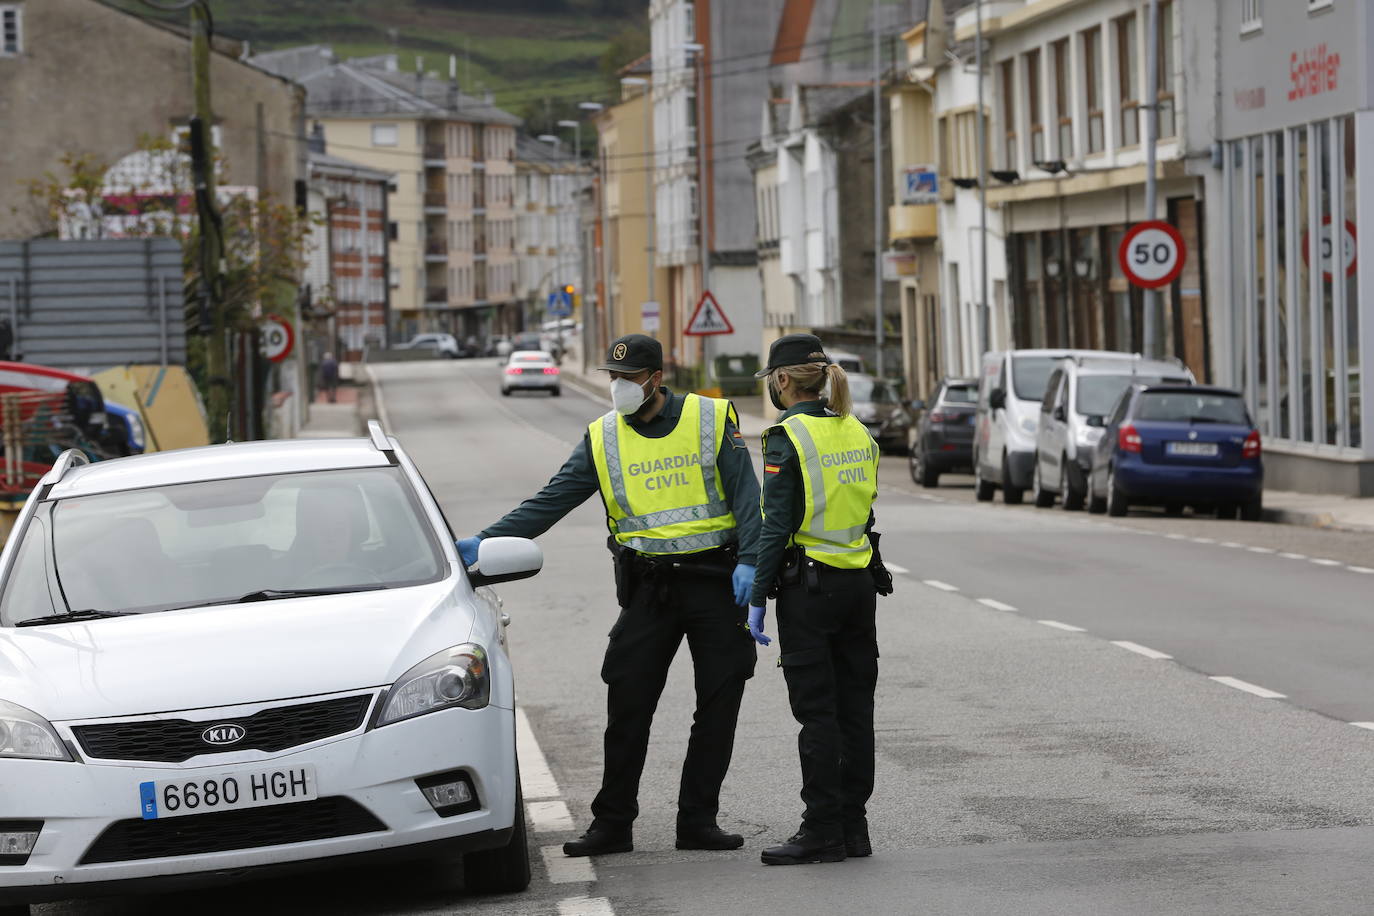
pixel 585 906
pixel 1230 544
pixel 549 816
pixel 995 604
pixel 1322 561
pixel 535 777
pixel 1177 537
pixel 1260 549
pixel 1368 725
pixel 1062 626
pixel 1293 556
pixel 1249 688
pixel 1138 649
pixel 1361 569
pixel 942 586
pixel 1204 540
pixel 894 568
pixel 566 869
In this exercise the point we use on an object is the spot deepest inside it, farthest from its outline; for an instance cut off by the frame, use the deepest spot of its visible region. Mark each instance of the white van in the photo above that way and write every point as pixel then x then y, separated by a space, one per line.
pixel 1012 386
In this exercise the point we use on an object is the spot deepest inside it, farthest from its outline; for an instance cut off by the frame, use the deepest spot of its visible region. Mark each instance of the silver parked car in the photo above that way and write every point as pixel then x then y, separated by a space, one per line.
pixel 1081 391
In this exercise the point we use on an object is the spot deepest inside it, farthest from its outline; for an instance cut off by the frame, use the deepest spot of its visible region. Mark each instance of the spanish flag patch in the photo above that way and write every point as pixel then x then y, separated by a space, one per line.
pixel 771 469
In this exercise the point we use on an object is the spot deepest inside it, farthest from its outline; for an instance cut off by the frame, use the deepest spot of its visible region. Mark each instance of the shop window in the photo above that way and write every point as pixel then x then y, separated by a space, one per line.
pixel 1128 80
pixel 1034 107
pixel 1063 110
pixel 1092 88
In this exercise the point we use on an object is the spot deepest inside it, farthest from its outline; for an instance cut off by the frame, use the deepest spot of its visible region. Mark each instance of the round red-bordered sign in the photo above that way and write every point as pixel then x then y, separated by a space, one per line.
pixel 1349 248
pixel 278 338
pixel 1152 254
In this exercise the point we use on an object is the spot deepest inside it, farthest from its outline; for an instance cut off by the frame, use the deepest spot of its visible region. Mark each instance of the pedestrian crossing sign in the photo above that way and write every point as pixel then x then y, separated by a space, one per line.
pixel 708 319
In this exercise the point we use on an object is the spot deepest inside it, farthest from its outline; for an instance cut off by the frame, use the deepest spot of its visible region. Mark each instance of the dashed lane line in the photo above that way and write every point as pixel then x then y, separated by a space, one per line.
pixel 549 816
pixel 535 777
pixel 1067 627
pixel 1260 549
pixel 894 568
pixel 995 604
pixel 1203 540
pixel 1292 556
pixel 585 906
pixel 1361 569
pixel 1323 561
pixel 1366 725
pixel 1138 649
pixel 1257 690
pixel 566 869
pixel 1232 544
pixel 942 586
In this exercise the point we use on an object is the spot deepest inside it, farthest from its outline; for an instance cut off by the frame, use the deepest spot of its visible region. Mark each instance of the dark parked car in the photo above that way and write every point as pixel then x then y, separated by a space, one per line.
pixel 942 437
pixel 1175 445
pixel 877 407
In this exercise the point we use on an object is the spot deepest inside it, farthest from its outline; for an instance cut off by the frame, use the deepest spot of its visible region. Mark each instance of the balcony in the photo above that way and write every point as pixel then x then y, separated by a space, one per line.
pixel 436 202
pixel 436 251
pixel 435 157
pixel 913 222
pixel 436 295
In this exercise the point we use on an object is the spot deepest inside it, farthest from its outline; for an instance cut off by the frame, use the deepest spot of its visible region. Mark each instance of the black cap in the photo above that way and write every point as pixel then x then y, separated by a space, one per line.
pixel 794 350
pixel 634 353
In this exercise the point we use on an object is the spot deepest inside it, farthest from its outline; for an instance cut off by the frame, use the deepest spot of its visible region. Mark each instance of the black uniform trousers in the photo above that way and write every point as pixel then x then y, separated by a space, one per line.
pixel 829 644
pixel 663 608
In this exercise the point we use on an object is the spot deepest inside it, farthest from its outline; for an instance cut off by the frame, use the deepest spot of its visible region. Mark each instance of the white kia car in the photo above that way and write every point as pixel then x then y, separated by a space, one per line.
pixel 531 370
pixel 250 658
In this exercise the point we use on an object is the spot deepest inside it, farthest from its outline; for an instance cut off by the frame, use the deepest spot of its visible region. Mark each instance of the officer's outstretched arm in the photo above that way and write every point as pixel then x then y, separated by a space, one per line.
pixel 568 489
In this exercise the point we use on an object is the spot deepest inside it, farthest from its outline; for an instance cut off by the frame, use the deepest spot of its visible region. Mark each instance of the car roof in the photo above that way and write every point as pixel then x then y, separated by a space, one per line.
pixel 1070 353
pixel 1097 366
pixel 218 462
pixel 1190 389
pixel 971 380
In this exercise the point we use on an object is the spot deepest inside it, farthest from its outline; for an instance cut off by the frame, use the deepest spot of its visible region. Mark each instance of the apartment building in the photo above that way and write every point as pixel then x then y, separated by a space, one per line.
pixel 547 181
pixel 452 255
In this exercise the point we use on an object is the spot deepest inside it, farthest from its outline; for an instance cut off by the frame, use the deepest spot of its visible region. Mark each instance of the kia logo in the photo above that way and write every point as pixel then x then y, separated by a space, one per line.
pixel 223 734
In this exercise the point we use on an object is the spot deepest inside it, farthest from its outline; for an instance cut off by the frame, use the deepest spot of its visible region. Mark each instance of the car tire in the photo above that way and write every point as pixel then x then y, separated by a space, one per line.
pixel 1252 510
pixel 982 490
pixel 1173 510
pixel 556 392
pixel 921 471
pixel 1226 511
pixel 506 869
pixel 1070 498
pixel 1116 497
pixel 17 909
pixel 505 392
pixel 1011 495
pixel 1042 498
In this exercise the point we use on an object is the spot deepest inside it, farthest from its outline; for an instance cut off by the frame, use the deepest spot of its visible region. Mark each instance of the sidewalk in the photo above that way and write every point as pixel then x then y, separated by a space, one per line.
pixel 334 421
pixel 1282 506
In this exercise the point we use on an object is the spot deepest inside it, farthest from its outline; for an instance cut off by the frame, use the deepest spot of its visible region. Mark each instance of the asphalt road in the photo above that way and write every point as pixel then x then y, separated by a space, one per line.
pixel 1023 767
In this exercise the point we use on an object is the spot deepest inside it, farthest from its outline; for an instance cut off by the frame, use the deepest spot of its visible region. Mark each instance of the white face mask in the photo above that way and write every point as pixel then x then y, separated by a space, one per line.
pixel 626 396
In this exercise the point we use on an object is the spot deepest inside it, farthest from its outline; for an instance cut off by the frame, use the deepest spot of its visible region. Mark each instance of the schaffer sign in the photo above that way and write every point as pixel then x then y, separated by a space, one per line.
pixel 1313 72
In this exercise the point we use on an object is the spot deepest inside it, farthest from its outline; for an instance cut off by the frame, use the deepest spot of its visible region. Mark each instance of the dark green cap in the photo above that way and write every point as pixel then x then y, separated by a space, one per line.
pixel 634 353
pixel 794 350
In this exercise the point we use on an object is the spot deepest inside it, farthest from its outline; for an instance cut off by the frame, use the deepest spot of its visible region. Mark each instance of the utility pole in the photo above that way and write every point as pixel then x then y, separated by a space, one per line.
pixel 211 253
pixel 1151 107
pixel 877 193
pixel 984 315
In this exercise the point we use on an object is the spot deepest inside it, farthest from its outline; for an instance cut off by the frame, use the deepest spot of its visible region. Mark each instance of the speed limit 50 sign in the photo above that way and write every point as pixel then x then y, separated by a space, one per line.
pixel 1152 254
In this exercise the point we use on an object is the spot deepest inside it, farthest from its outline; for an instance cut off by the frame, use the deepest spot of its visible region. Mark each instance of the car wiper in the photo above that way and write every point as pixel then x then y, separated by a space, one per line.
pixel 273 594
pixel 69 616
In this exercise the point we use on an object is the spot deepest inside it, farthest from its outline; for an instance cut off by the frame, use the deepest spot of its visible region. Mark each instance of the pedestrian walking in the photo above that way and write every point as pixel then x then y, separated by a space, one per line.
pixel 818 555
pixel 329 377
pixel 682 507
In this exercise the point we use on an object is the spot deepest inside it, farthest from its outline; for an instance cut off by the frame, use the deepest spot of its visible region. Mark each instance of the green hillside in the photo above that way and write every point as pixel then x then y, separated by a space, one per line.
pixel 540 57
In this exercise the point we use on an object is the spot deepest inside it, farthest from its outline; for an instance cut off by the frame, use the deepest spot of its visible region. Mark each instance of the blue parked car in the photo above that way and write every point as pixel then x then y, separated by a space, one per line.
pixel 124 430
pixel 1176 445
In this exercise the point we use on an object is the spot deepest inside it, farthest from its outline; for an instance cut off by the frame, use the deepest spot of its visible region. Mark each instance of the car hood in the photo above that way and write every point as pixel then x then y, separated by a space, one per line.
pixel 228 655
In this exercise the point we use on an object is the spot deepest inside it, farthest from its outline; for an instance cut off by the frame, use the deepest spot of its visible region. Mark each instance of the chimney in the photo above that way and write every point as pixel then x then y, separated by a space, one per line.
pixel 315 143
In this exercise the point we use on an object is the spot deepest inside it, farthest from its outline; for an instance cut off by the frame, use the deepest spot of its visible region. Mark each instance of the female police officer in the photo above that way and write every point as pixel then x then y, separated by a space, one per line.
pixel 819 484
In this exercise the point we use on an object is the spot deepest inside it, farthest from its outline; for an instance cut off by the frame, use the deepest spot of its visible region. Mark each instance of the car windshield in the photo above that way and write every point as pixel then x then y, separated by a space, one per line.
pixel 1098 394
pixel 531 357
pixel 868 390
pixel 961 394
pixel 1191 407
pixel 214 542
pixel 1029 375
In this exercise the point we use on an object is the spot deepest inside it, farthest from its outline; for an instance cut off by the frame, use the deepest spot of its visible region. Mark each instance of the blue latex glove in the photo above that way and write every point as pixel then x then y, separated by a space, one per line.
pixel 743 581
pixel 756 625
pixel 467 550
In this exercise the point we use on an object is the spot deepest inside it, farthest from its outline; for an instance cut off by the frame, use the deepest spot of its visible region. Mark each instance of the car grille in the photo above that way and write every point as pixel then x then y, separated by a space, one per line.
pixel 177 740
pixel 249 828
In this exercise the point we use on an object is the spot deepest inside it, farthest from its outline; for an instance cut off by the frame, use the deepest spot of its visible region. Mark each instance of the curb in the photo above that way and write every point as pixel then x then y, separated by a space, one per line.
pixel 1313 519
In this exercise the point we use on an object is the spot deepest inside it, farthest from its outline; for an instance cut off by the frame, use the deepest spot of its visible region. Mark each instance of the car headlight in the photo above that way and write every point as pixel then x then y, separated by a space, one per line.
pixel 454 677
pixel 26 735
pixel 136 430
pixel 1088 436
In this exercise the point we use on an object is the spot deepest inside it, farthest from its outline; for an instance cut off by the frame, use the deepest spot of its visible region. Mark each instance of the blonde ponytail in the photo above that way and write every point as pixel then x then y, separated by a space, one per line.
pixel 839 400
pixel 811 378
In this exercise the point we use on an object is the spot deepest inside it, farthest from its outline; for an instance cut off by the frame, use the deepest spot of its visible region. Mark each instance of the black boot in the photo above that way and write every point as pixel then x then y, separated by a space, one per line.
pixel 856 843
pixel 599 841
pixel 807 847
pixel 711 837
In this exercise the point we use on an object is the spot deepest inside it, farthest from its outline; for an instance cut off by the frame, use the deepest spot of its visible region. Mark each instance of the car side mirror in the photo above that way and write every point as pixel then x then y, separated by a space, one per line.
pixel 1097 420
pixel 997 398
pixel 1060 413
pixel 505 560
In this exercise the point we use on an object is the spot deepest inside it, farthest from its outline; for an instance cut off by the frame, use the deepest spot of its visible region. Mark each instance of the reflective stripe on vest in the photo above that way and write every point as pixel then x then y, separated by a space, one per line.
pixel 696 517
pixel 839 462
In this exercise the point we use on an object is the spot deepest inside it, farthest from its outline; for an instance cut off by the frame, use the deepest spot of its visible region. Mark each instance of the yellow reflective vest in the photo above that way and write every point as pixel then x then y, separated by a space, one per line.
pixel 663 496
pixel 839 467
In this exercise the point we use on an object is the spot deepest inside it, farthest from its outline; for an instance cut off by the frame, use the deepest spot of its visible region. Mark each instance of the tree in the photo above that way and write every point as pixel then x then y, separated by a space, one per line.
pixel 627 46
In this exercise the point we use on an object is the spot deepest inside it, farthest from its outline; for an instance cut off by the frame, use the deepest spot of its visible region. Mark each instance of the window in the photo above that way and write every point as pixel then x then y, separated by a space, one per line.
pixel 393 230
pixel 1092 86
pixel 1128 79
pixel 11 30
pixel 1063 109
pixel 1034 107
pixel 385 135
pixel 1250 15
pixel 395 277
pixel 1167 123
pixel 1010 159
pixel 1315 5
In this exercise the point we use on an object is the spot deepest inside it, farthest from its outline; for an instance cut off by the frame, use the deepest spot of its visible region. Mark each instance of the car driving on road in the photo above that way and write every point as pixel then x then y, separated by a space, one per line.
pixel 531 370
pixel 259 656
pixel 1080 393
pixel 1175 445
pixel 942 437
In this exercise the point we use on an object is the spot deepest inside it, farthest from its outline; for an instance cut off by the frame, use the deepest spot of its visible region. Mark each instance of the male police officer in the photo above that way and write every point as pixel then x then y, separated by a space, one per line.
pixel 682 506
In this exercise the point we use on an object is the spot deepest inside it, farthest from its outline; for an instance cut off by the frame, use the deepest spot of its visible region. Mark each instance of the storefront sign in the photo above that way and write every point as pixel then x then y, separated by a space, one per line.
pixel 1152 254
pixel 898 264
pixel 921 185
pixel 649 319
pixel 1313 72
pixel 1348 248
